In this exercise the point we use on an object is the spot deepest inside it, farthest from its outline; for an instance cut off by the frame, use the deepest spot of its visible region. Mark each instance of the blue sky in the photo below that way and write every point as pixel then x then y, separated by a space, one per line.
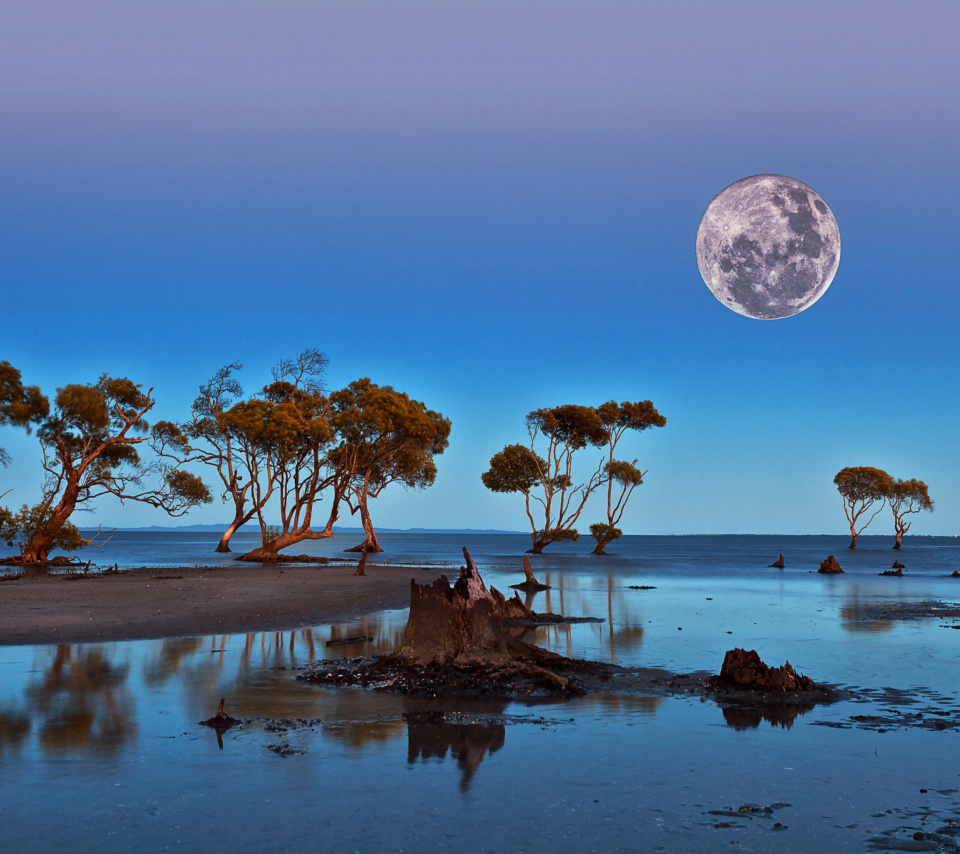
pixel 492 207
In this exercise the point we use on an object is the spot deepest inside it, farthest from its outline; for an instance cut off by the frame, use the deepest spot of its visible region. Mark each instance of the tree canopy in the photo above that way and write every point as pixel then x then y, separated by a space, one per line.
pixel 861 487
pixel 906 497
pixel 547 482
pixel 384 437
pixel 621 476
pixel 88 441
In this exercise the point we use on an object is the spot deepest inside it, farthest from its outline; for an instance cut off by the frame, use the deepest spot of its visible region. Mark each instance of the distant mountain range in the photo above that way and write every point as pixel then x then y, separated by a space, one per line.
pixel 218 529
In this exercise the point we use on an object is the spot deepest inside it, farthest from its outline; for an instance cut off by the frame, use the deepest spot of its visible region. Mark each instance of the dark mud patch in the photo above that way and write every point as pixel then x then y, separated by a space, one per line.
pixel 509 681
pixel 887 612
pixel 743 815
pixel 898 709
pixel 933 826
pixel 486 719
pixel 741 708
pixel 278 558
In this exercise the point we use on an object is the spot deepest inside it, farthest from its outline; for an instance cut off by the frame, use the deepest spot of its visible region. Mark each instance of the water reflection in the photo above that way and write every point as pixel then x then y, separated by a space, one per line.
pixel 83 703
pixel 744 717
pixel 14 728
pixel 855 615
pixel 467 743
pixel 616 639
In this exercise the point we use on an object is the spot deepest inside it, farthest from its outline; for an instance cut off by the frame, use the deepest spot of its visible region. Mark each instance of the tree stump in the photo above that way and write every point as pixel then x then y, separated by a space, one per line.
pixel 830 566
pixel 744 669
pixel 778 564
pixel 530 582
pixel 461 624
pixel 898 565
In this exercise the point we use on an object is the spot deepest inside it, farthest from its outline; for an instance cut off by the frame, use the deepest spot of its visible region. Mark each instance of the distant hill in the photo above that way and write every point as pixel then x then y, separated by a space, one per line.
pixel 217 529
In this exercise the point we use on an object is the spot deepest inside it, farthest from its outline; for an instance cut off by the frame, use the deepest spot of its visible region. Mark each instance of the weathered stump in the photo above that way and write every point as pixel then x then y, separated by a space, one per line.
pixel 221 720
pixel 530 582
pixel 462 624
pixel 778 563
pixel 830 566
pixel 898 565
pixel 744 669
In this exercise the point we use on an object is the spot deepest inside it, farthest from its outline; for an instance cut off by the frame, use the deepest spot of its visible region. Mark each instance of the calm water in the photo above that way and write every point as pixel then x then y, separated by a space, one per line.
pixel 100 748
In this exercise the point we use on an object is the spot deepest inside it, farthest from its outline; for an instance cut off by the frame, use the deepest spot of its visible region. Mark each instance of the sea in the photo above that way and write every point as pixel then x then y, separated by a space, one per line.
pixel 101 749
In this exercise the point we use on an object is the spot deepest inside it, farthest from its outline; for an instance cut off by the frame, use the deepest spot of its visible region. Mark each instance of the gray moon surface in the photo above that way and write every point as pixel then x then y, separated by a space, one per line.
pixel 768 247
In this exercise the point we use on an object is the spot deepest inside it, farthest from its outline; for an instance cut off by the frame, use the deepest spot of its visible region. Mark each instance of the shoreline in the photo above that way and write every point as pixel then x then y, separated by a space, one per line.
pixel 163 602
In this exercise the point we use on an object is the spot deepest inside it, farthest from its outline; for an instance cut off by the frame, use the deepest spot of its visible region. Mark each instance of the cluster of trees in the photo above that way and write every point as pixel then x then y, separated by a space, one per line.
pixel 541 470
pixel 287 447
pixel 864 488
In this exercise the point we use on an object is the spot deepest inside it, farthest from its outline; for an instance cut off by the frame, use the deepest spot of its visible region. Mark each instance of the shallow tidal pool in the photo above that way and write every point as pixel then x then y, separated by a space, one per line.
pixel 100 747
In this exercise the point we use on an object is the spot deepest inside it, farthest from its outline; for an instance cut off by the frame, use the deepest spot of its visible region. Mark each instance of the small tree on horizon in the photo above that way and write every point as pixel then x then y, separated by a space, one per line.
pixel 519 468
pixel 906 497
pixel 617 418
pixel 861 487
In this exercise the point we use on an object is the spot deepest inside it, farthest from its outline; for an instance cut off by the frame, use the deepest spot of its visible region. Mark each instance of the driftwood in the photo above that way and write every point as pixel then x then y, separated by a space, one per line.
pixel 778 563
pixel 830 566
pixel 530 582
pixel 895 572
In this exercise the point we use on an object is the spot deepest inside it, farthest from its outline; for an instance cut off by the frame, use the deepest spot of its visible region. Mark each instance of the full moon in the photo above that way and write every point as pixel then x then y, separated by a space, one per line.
pixel 768 247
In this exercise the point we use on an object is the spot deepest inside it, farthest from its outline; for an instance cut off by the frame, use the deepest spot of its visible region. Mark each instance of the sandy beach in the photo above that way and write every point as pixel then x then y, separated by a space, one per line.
pixel 187 601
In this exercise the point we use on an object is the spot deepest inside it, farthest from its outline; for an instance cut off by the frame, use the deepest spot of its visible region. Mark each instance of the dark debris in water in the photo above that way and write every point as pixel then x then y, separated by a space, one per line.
pixel 441 718
pixel 285 750
pixel 747 813
pixel 901 611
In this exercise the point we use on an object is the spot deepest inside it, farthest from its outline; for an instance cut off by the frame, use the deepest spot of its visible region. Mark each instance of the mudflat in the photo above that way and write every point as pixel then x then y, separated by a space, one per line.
pixel 186 601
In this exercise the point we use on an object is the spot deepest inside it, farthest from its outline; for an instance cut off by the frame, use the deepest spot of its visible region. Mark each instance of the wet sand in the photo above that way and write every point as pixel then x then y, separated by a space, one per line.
pixel 189 601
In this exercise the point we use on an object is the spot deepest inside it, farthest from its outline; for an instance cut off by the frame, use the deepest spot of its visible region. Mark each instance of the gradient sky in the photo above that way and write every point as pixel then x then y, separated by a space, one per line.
pixel 492 206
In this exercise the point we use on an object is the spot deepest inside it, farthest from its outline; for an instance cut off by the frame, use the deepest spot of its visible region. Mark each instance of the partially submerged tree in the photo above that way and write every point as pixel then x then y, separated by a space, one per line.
pixel 547 482
pixel 906 497
pixel 861 487
pixel 384 437
pixel 284 435
pixel 88 442
pixel 233 445
pixel 205 439
pixel 622 477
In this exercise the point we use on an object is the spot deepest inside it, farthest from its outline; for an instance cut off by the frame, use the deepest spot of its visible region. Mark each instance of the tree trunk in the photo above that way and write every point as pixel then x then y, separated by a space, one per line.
pixel 370 544
pixel 224 544
pixel 896 545
pixel 37 548
pixel 853 540
pixel 601 545
pixel 271 550
pixel 538 546
pixel 530 582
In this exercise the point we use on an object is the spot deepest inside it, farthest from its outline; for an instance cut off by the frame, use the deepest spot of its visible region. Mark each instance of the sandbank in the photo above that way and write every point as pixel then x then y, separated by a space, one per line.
pixel 161 602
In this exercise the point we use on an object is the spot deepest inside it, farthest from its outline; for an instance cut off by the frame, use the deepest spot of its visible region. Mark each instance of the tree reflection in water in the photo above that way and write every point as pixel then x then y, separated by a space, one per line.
pixel 468 743
pixel 620 634
pixel 83 703
pixel 14 728
pixel 852 616
pixel 746 717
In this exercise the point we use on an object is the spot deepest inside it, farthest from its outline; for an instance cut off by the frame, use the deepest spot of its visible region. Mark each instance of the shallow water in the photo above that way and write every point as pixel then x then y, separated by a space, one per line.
pixel 100 747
